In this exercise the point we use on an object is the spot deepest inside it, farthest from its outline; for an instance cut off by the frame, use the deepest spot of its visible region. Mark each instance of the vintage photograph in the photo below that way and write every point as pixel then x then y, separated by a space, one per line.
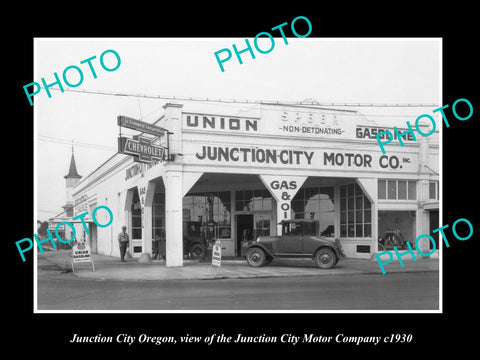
pixel 274 174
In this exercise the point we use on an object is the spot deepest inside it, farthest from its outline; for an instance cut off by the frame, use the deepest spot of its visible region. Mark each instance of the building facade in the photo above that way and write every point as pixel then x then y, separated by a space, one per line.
pixel 248 167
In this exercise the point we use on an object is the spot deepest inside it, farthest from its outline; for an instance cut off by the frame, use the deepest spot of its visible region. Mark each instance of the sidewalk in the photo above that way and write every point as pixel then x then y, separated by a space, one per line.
pixel 110 268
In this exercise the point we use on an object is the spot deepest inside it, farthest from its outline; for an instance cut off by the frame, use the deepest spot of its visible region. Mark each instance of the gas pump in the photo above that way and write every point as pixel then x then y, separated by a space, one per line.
pixel 210 228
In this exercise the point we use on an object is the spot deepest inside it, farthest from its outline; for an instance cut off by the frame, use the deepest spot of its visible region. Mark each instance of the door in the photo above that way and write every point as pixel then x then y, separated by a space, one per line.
pixel 244 231
pixel 291 239
pixel 433 226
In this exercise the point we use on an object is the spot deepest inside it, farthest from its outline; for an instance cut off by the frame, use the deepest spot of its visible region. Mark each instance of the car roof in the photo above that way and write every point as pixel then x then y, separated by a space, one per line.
pixel 296 220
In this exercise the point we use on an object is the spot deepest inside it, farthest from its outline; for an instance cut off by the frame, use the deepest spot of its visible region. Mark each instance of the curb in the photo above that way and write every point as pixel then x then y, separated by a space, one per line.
pixel 108 268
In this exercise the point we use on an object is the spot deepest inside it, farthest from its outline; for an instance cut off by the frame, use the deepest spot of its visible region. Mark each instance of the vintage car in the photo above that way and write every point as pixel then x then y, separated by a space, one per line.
pixel 391 239
pixel 299 239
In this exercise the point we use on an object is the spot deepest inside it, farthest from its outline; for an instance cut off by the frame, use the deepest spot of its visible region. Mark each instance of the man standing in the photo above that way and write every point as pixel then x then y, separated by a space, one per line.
pixel 123 243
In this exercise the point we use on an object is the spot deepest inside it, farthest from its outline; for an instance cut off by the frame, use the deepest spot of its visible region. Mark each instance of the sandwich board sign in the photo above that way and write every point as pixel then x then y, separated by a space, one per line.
pixel 217 254
pixel 216 258
pixel 81 254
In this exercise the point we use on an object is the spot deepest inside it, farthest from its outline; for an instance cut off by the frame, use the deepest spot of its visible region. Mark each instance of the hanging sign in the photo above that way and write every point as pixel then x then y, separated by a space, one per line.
pixel 140 126
pixel 141 148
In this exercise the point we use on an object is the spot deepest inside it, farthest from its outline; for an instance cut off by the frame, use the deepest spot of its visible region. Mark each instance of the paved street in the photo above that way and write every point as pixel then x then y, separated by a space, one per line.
pixel 58 290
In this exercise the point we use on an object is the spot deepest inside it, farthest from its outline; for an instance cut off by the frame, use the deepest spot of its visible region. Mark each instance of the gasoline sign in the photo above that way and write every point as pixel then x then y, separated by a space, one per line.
pixel 81 253
pixel 217 254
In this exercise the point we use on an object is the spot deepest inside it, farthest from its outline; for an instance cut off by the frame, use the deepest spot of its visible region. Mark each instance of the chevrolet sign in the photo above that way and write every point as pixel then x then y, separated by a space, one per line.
pixel 141 148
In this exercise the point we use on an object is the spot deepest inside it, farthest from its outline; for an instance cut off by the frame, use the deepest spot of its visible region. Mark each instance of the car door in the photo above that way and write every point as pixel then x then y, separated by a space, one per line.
pixel 291 241
pixel 310 244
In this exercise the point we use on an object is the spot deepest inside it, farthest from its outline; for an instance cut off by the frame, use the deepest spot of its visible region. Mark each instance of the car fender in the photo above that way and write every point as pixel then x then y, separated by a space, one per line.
pixel 268 252
pixel 324 246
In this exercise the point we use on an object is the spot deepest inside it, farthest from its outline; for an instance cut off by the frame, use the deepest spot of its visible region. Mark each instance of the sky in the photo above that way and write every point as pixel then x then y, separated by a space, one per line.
pixel 326 70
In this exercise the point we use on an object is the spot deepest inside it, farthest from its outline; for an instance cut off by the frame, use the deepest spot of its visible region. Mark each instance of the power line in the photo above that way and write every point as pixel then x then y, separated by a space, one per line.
pixel 264 102
pixel 70 142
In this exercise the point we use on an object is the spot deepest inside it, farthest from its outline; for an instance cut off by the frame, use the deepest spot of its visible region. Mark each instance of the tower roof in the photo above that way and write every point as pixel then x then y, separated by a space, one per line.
pixel 72 171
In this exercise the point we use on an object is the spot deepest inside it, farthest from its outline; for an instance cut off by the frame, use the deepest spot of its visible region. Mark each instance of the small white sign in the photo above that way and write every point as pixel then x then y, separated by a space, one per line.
pixel 217 254
pixel 81 253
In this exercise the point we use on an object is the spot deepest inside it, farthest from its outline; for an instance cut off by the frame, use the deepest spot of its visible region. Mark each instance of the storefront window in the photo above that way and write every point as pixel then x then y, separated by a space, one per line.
pixel 262 225
pixel 202 211
pixel 433 190
pixel 136 211
pixel 253 200
pixel 158 215
pixel 316 204
pixel 397 190
pixel 355 212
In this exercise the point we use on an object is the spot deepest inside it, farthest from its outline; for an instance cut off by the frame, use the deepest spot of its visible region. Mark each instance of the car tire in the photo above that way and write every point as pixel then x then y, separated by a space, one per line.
pixel 197 252
pixel 256 257
pixel 325 258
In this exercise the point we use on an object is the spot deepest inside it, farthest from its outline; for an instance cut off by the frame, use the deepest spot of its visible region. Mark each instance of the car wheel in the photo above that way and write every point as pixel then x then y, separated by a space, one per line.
pixel 325 258
pixel 197 252
pixel 256 257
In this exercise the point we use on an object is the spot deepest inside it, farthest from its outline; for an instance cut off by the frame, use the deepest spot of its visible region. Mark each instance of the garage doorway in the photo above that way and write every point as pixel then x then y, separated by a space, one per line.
pixel 244 231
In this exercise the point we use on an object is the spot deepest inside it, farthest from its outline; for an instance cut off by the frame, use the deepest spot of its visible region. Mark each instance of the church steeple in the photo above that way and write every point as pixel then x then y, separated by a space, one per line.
pixel 71 179
pixel 72 172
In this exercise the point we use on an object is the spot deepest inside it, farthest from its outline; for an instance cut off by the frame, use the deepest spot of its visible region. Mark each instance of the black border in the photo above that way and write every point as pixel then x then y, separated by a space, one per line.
pixel 433 333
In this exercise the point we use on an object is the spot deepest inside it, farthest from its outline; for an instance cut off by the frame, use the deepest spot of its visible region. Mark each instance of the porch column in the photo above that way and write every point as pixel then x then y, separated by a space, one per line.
pixel 146 191
pixel 370 188
pixel 173 182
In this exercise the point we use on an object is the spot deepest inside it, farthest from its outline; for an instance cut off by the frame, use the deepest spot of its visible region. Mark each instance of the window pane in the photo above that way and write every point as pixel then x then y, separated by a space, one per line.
pixel 350 203
pixel 358 203
pixel 343 230
pixel 402 190
pixel 343 204
pixel 359 230
pixel 239 205
pixel 358 190
pixel 358 217
pixel 343 217
pixel 326 205
pixel 267 204
pixel 367 216
pixel 432 190
pixel 239 195
pixel 343 191
pixel 412 190
pixel 136 221
pixel 367 230
pixel 350 218
pixel 327 193
pixel 350 188
pixel 366 203
pixel 248 195
pixel 224 196
pixel 298 206
pixel 351 231
pixel 382 189
pixel 392 189
pixel 312 193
